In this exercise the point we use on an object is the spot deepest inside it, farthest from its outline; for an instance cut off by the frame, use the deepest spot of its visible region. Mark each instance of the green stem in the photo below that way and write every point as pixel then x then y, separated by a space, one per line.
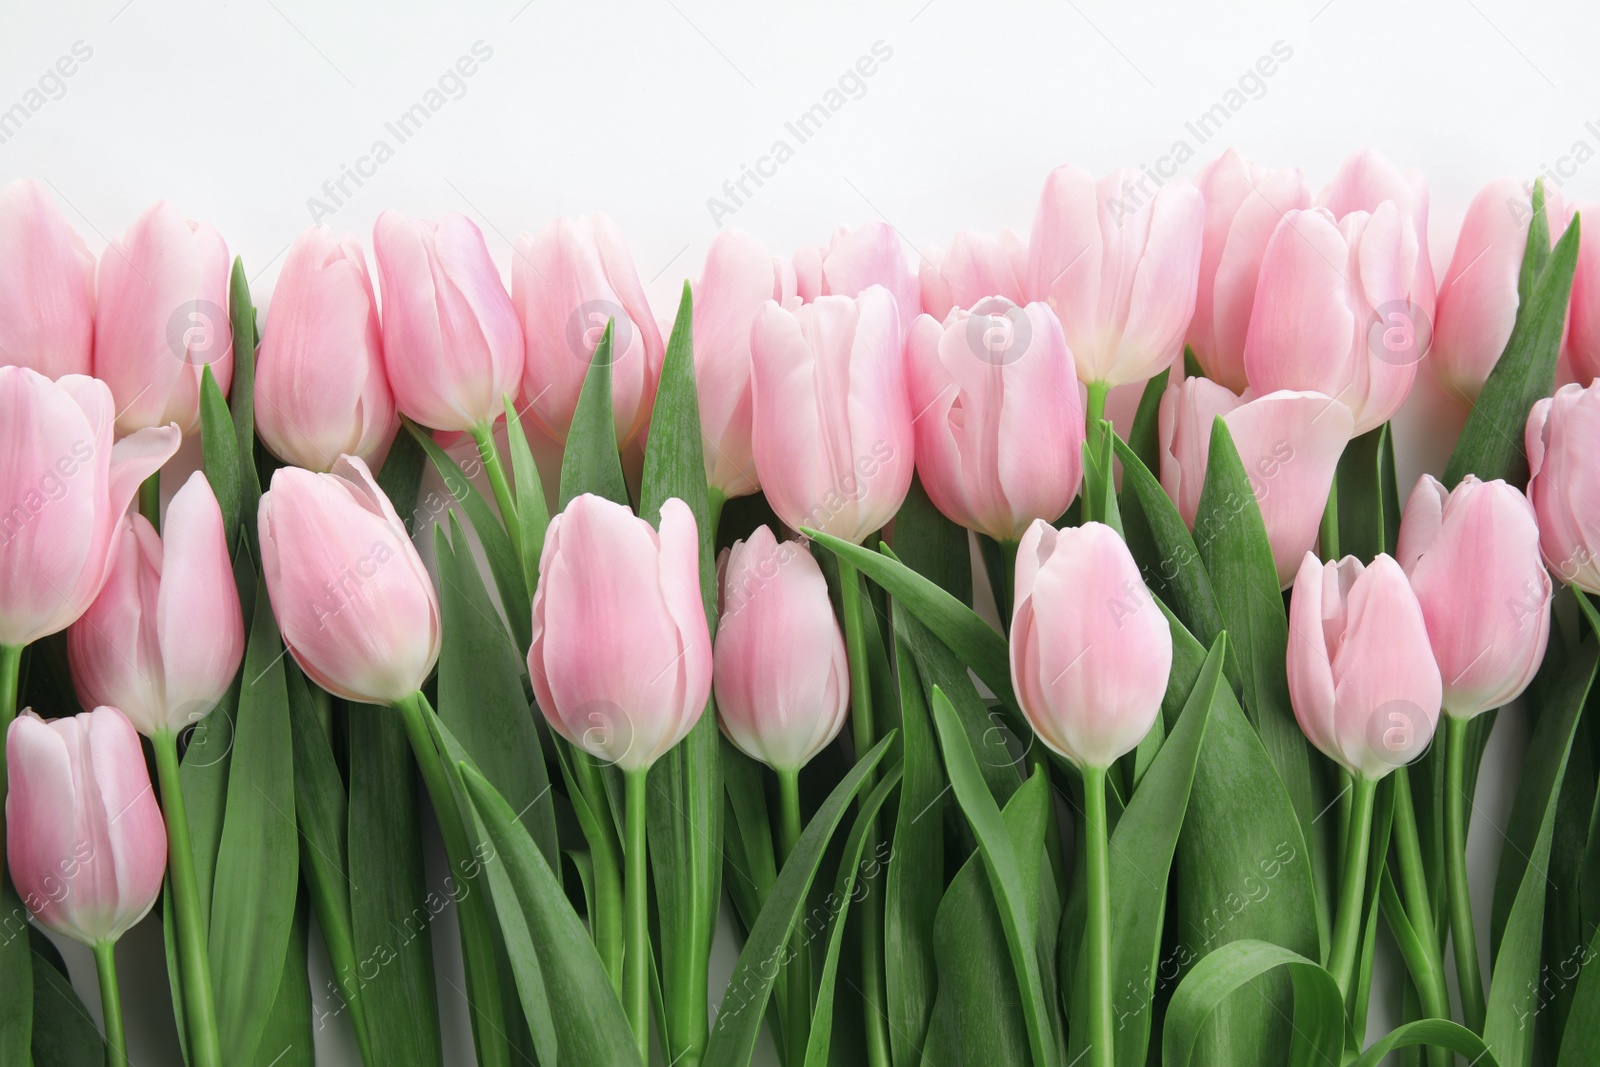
pixel 1008 584
pixel 1468 977
pixel 714 502
pixel 797 972
pixel 1427 971
pixel 200 1012
pixel 477 940
pixel 863 733
pixel 483 434
pixel 637 906
pixel 105 965
pixel 150 500
pixel 605 925
pixel 10 676
pixel 1330 524
pixel 1097 924
pixel 1353 887
pixel 1098 391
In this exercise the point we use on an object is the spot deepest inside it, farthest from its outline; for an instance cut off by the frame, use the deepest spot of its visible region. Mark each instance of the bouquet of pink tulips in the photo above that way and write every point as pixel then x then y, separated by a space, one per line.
pixel 1027 654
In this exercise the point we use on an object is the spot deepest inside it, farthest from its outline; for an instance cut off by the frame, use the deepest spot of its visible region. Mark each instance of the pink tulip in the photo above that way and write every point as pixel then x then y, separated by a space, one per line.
pixel 84 836
pixel 854 261
pixel 46 286
pixel 164 638
pixel 832 428
pixel 321 391
pixel 975 266
pixel 782 679
pixel 999 427
pixel 1289 443
pixel 452 347
pixel 1365 181
pixel 739 277
pixel 162 318
pixel 63 489
pixel 1473 559
pixel 1333 313
pixel 621 657
pixel 1244 202
pixel 1118 260
pixel 1583 322
pixel 566 284
pixel 1362 676
pixel 1090 649
pixel 1562 440
pixel 353 600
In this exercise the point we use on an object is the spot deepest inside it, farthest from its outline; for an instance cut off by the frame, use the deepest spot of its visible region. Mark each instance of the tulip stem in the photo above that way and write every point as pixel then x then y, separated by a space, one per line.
pixel 150 499
pixel 1097 925
pixel 483 433
pixel 1330 524
pixel 636 903
pixel 605 922
pixel 1427 972
pixel 862 732
pixel 1098 391
pixel 200 1013
pixel 105 965
pixel 797 972
pixel 1353 885
pixel 1468 977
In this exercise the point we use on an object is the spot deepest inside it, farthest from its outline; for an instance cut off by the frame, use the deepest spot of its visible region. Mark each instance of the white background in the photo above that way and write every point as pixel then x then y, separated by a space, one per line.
pixel 240 112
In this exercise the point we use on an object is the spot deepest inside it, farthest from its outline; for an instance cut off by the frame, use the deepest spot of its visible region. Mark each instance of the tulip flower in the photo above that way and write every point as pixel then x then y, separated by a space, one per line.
pixel 164 639
pixel 1367 180
pixel 451 343
pixel 975 266
pixel 1289 443
pixel 1334 314
pixel 46 286
pixel 781 678
pixel 162 319
pixel 1562 441
pixel 321 390
pixel 854 261
pixel 84 838
pixel 1244 202
pixel 739 277
pixel 353 601
pixel 1583 322
pixel 832 426
pixel 1119 261
pixel 1473 559
pixel 566 284
pixel 999 430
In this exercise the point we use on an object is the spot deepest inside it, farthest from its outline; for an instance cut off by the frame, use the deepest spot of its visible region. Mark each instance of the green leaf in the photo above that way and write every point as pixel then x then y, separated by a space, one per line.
pixel 219 455
pixel 1580 1044
pixel 257 872
pixel 1144 438
pixel 932 545
pixel 242 399
pixel 16 978
pixel 1440 1032
pixel 591 463
pixel 63 1033
pixel 1369 504
pixel 1536 249
pixel 1319 1027
pixel 733 1037
pixel 400 477
pixel 287 1040
pixel 1491 444
pixel 533 512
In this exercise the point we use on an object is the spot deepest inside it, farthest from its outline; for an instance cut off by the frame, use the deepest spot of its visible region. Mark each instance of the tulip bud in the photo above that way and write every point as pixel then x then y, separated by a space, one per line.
pixel 162 318
pixel 1563 439
pixel 739 277
pixel 353 601
pixel 1473 559
pixel 854 261
pixel 1333 313
pixel 1118 261
pixel 1362 677
pixel 1289 443
pixel 567 283
pixel 999 432
pixel 1090 649
pixel 452 347
pixel 1583 322
pixel 63 490
pixel 1244 202
pixel 84 837
pixel 832 427
pixel 621 656
pixel 782 678
pixel 1366 180
pixel 976 266
pixel 321 391
pixel 46 286
pixel 163 640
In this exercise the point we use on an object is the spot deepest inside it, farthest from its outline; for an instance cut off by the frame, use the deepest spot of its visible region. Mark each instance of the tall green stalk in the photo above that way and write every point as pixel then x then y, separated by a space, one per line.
pixel 636 905
pixel 1469 979
pixel 797 972
pixel 1427 971
pixel 483 434
pixel 105 966
pixel 1353 884
pixel 1097 928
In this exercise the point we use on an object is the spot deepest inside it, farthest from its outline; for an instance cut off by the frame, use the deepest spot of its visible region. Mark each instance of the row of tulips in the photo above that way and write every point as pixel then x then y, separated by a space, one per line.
pixel 1208 673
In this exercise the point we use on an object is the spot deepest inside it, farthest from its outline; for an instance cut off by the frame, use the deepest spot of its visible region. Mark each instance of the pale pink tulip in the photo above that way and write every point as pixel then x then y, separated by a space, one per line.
pixel 1562 440
pixel 621 656
pixel 452 347
pixel 162 319
pixel 84 836
pixel 353 601
pixel 999 427
pixel 46 286
pixel 321 390
pixel 1583 322
pixel 1365 181
pixel 63 489
pixel 855 260
pixel 975 266
pixel 1362 677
